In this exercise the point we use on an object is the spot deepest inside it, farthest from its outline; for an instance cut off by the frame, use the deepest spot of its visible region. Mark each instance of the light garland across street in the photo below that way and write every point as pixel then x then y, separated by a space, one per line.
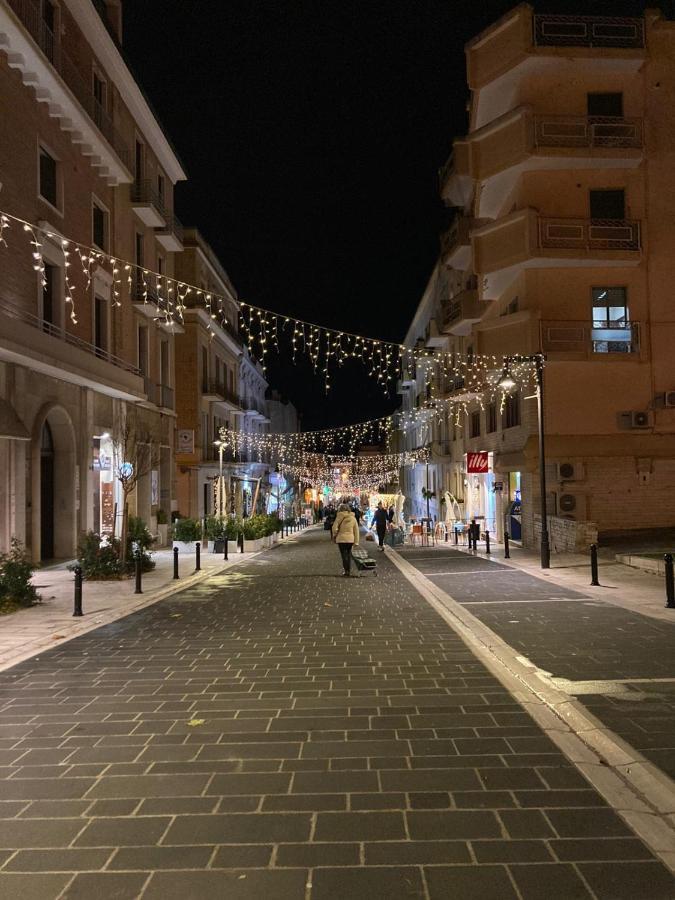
pixel 462 378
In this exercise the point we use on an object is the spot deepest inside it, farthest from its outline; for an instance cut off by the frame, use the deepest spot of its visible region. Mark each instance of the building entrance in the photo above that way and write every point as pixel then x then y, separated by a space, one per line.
pixel 46 493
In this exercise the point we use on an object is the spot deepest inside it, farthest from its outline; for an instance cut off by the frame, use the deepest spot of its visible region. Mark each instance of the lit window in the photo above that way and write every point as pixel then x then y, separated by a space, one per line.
pixel 611 330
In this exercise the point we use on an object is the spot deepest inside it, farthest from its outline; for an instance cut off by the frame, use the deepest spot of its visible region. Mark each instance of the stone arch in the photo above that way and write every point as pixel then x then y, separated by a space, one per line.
pixel 53 427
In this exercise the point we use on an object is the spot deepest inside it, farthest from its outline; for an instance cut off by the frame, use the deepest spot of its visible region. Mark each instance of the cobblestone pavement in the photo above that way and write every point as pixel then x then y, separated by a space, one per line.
pixel 621 664
pixel 282 732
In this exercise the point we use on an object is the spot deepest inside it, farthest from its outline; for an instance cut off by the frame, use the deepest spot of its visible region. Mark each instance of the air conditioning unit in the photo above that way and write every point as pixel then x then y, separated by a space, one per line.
pixel 669 399
pixel 641 419
pixel 570 470
pixel 572 506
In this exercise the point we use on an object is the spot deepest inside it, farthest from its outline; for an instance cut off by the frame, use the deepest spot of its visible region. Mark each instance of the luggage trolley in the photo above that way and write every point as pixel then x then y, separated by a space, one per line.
pixel 363 561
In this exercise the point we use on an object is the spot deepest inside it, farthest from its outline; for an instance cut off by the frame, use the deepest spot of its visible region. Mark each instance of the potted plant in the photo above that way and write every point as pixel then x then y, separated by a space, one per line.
pixel 215 531
pixel 162 527
pixel 186 532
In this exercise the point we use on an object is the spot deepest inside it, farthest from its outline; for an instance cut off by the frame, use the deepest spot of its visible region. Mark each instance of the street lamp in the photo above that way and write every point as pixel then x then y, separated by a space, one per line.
pixel 507 383
pixel 221 447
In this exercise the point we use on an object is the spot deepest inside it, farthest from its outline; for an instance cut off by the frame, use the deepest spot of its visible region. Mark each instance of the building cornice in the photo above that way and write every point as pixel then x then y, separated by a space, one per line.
pixel 102 44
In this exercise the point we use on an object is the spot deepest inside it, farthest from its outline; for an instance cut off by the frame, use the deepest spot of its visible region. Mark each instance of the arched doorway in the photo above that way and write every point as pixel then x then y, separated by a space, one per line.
pixel 46 493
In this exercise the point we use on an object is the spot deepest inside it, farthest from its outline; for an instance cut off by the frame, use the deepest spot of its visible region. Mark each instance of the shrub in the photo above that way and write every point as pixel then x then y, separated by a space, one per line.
pixel 187 530
pixel 140 540
pixel 161 517
pixel 16 570
pixel 98 561
pixel 215 528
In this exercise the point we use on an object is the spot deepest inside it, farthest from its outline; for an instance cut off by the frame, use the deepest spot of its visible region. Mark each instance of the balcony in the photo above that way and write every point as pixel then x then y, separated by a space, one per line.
pixel 455 182
pixel 461 312
pixel 434 338
pixel 588 339
pixel 34 343
pixel 521 46
pixel 254 410
pixel 522 141
pixel 456 244
pixel 148 205
pixel 34 50
pixel 171 236
pixel 502 249
pixel 158 394
pixel 218 392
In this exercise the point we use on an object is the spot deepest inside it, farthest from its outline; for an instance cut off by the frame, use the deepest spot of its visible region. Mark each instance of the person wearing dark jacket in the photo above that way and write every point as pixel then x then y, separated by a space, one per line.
pixel 380 522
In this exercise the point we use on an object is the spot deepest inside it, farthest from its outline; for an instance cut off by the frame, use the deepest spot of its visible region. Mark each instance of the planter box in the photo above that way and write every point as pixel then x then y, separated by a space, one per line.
pixel 185 548
pixel 254 545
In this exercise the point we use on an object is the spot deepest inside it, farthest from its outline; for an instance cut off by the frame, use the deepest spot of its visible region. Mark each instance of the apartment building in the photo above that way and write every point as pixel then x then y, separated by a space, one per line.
pixel 84 157
pixel 208 355
pixel 562 244
pixel 250 470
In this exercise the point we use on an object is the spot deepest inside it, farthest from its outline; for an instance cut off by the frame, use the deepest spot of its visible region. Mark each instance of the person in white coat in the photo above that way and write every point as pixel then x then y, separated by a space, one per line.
pixel 345 532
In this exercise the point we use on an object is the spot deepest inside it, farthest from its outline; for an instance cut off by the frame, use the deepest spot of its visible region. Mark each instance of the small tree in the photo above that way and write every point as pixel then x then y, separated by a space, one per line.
pixel 428 495
pixel 135 454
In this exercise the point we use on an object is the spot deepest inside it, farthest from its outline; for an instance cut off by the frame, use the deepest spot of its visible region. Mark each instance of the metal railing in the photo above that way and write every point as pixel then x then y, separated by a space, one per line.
pixel 588 131
pixel 173 226
pixel 166 396
pixel 159 394
pixel 59 333
pixel 446 170
pixel 456 234
pixel 143 191
pixel 588 31
pixel 589 234
pixel 29 14
pixel 590 337
pixel 219 389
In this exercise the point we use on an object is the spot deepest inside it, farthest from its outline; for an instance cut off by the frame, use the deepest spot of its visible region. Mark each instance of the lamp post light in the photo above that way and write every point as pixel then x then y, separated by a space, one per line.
pixel 506 383
pixel 221 447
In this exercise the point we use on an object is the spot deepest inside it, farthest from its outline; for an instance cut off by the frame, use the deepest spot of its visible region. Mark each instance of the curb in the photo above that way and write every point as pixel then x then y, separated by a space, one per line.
pixel 642 795
pixel 106 618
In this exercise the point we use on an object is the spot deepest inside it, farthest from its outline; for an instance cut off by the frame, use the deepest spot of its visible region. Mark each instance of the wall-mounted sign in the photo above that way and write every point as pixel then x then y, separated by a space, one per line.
pixel 185 440
pixel 477 463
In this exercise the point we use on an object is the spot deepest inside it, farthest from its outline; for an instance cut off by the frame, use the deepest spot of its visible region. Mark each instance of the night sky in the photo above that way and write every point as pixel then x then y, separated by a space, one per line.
pixel 312 133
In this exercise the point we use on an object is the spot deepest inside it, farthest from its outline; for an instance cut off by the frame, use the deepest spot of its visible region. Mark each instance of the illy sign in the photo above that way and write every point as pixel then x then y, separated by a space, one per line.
pixel 477 463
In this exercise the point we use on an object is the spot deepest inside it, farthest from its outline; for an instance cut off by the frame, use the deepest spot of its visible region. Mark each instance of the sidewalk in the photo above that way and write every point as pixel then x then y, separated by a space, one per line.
pixel 51 622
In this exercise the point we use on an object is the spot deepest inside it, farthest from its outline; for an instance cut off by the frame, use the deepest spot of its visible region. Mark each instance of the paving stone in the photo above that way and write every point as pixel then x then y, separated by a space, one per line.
pixel 551 882
pixel 628 880
pixel 361 826
pixel 251 884
pixel 457 824
pixel 33 886
pixel 143 786
pixel 401 853
pixel 239 828
pixel 317 854
pixel 17 833
pixel 445 780
pixel 168 806
pixel 383 883
pixel 152 858
pixel 467 882
pixel 240 856
pixel 570 850
pixel 106 886
pixel 587 823
pixel 511 851
pixel 123 832
pixel 63 860
pixel 377 801
pixel 53 809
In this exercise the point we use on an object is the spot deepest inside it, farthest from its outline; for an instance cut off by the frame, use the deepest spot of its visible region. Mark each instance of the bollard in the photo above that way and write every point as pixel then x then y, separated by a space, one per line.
pixel 447 535
pixel 487 542
pixel 198 556
pixel 670 581
pixel 225 549
pixel 139 574
pixel 77 598
pixel 241 542
pixel 175 562
pixel 507 552
pixel 594 566
pixel 456 538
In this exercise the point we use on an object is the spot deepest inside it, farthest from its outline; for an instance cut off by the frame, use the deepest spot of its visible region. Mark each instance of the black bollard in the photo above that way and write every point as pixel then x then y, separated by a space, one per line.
pixel 447 535
pixel 225 549
pixel 175 562
pixel 507 552
pixel 456 537
pixel 594 566
pixel 198 556
pixel 487 542
pixel 670 581
pixel 241 542
pixel 77 597
pixel 139 574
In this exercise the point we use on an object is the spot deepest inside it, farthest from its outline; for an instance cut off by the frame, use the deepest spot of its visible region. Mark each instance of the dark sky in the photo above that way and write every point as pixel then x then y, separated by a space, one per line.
pixel 312 133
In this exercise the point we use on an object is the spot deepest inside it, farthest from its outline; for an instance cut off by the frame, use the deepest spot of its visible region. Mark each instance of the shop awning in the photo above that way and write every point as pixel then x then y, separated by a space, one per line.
pixel 11 426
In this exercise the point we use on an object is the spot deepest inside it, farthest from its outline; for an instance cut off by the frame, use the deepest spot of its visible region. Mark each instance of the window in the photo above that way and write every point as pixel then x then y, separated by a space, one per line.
pixel 611 331
pixel 48 28
pixel 140 250
pixel 143 350
pixel 511 413
pixel 474 430
pixel 100 325
pixel 99 226
pixel 604 104
pixel 609 204
pixel 48 178
pixel 491 418
pixel 160 265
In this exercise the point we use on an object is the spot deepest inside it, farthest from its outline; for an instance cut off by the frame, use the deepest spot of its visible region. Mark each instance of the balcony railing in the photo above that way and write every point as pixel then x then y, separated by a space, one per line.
pixel 145 192
pixel 174 225
pixel 588 31
pixel 589 234
pixel 159 394
pixel 62 334
pixel 589 336
pixel 30 15
pixel 588 131
pixel 219 389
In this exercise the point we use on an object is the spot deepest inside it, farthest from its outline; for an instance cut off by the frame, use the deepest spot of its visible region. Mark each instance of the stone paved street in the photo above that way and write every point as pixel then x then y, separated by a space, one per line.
pixel 281 732
pixel 620 663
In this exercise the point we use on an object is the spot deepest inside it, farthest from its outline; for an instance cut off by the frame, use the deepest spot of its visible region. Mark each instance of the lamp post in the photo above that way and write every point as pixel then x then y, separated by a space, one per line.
pixel 221 447
pixel 506 383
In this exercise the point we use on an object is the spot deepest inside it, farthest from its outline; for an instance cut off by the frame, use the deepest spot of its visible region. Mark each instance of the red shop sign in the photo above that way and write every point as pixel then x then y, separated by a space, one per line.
pixel 477 463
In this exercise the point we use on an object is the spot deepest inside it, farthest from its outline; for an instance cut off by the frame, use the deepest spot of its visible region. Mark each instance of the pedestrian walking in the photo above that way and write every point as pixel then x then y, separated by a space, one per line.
pixel 390 515
pixel 380 523
pixel 345 532
pixel 357 513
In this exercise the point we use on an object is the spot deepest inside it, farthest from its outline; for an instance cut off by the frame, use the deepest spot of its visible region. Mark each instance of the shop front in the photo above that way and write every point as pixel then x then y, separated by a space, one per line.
pixel 481 499
pixel 107 489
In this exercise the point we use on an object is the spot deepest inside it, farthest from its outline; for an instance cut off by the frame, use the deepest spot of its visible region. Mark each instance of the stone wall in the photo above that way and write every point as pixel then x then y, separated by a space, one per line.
pixel 566 535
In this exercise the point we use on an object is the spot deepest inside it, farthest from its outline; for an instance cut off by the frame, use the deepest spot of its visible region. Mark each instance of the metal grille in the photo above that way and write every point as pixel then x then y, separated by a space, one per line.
pixel 587 131
pixel 589 234
pixel 588 31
